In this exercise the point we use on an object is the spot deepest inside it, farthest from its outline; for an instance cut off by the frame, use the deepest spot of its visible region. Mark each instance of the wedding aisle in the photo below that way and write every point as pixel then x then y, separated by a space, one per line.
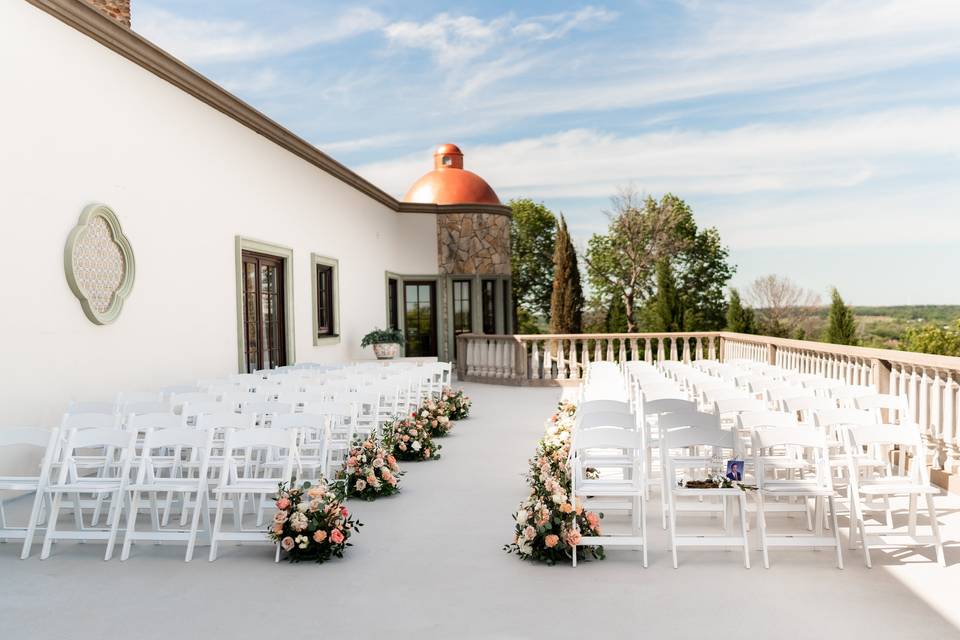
pixel 429 564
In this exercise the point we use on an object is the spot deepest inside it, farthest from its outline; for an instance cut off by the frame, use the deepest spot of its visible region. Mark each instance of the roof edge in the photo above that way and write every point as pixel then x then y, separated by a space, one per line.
pixel 144 53
pixel 476 207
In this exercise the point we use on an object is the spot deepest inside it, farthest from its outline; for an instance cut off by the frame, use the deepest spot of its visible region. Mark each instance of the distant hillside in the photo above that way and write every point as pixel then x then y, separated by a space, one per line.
pixel 885 326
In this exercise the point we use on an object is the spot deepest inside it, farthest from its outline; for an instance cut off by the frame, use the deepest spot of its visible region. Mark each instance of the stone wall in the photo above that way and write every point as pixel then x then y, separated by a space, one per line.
pixel 473 243
pixel 119 10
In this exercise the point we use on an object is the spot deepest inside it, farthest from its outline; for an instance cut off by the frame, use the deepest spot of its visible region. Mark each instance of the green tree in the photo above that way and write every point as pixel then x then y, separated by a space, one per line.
pixel 667 306
pixel 533 231
pixel 615 320
pixel 841 324
pixel 566 303
pixel 623 262
pixel 932 338
pixel 740 319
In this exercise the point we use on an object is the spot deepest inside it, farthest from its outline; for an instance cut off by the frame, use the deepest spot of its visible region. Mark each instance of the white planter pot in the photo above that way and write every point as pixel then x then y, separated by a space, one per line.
pixel 386 351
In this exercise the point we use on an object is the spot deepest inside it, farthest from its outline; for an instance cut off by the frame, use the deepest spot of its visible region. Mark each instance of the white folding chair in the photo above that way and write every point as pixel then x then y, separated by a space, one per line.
pixel 112 482
pixel 681 434
pixel 630 486
pixel 37 442
pixel 906 477
pixel 156 475
pixel 233 481
pixel 815 483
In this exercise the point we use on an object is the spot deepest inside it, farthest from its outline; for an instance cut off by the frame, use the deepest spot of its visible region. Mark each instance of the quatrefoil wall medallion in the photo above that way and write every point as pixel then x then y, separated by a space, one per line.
pixel 98 261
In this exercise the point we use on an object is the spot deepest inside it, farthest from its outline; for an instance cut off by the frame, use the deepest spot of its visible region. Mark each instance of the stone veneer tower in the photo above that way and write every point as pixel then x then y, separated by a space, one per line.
pixel 118 10
pixel 473 244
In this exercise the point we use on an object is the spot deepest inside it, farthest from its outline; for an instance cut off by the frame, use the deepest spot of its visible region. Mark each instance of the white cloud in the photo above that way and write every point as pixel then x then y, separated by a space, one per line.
pixel 199 41
pixel 825 154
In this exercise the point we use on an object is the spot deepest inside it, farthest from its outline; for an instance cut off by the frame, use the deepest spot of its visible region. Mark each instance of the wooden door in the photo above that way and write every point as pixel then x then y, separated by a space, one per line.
pixel 265 344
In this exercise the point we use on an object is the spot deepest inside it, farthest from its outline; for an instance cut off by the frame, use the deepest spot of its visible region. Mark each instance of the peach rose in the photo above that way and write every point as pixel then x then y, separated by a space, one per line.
pixel 566 507
pixel 529 533
pixel 277 529
pixel 319 535
pixel 551 540
pixel 573 538
pixel 336 536
pixel 593 519
pixel 287 543
pixel 283 503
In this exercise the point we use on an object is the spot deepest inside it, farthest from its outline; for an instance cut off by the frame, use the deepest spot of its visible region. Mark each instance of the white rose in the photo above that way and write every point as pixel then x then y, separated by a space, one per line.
pixel 302 507
pixel 416 445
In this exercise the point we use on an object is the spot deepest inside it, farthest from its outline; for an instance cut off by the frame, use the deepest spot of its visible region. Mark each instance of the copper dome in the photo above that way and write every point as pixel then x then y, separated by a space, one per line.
pixel 450 183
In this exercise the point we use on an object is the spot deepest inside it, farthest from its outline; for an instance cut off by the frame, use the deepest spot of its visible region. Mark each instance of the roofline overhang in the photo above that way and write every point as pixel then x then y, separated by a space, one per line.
pixel 478 207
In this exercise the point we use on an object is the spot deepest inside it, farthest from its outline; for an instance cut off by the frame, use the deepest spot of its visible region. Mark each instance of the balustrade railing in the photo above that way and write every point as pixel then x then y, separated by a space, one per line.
pixel 930 383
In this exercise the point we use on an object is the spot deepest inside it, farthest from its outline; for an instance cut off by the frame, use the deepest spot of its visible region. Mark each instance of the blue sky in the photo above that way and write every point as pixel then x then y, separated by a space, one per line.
pixel 822 138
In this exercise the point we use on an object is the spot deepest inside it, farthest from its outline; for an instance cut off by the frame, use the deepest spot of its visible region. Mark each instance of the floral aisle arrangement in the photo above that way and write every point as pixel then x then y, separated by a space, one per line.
pixel 549 523
pixel 409 439
pixel 311 523
pixel 435 417
pixel 457 403
pixel 369 471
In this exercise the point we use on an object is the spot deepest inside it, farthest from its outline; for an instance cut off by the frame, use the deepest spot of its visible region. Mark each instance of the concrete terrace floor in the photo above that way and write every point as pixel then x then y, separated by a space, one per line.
pixel 429 564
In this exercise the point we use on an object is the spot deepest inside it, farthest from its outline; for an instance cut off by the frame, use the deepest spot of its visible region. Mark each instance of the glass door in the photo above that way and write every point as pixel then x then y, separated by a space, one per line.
pixel 462 310
pixel 265 345
pixel 420 318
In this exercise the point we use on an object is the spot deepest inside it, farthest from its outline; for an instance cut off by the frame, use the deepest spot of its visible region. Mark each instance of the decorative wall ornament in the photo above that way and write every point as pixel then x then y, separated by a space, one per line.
pixel 98 262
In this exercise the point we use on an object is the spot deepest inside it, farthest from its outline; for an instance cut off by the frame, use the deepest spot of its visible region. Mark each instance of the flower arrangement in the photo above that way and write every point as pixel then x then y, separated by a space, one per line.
pixel 369 471
pixel 434 415
pixel 409 439
pixel 458 404
pixel 549 523
pixel 311 523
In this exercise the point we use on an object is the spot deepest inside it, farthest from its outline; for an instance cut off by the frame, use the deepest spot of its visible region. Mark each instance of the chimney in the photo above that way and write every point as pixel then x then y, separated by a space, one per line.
pixel 118 10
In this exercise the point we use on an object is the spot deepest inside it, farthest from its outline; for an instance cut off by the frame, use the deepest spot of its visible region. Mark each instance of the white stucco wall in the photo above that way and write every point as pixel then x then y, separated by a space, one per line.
pixel 82 124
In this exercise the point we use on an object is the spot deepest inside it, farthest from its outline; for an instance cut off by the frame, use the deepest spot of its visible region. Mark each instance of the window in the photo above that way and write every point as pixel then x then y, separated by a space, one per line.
pixel 462 321
pixel 326 309
pixel 489 306
pixel 324 300
pixel 392 315
pixel 507 320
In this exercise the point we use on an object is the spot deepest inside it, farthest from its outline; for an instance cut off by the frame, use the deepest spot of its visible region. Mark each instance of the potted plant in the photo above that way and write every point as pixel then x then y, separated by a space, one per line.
pixel 385 342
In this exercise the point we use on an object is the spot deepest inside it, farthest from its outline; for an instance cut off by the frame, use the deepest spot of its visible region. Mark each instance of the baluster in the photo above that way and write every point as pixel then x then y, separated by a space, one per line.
pixel 622 351
pixel 711 349
pixel 561 363
pixel 574 370
pixel 660 351
pixel 673 348
pixel 535 360
pixel 936 403
pixel 686 349
pixel 597 351
pixel 609 350
pixel 500 360
pixel 698 354
pixel 924 402
pixel 547 360
pixel 647 353
pixel 634 350
pixel 471 357
pixel 950 424
pixel 586 356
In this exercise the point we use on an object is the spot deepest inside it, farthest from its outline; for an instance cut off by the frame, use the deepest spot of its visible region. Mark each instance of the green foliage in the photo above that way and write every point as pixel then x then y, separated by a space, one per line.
pixel 841 324
pixel 566 302
pixel 528 323
pixel 615 320
pixel 931 338
pixel 667 305
pixel 533 231
pixel 382 336
pixel 740 319
pixel 623 263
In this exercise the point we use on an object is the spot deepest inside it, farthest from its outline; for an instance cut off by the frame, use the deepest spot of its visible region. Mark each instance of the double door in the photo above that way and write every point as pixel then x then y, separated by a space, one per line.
pixel 420 317
pixel 263 308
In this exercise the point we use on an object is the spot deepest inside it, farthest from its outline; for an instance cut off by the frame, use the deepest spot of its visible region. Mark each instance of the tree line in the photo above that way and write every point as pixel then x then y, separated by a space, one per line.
pixel 653 270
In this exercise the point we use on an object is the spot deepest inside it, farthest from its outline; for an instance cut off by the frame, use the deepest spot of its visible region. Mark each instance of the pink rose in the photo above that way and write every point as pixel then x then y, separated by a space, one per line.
pixel 336 536
pixel 426 453
pixel 277 529
pixel 280 517
pixel 283 503
pixel 573 538
pixel 344 512
pixel 529 533
pixel 593 519
pixel 551 540
pixel 319 536
pixel 287 543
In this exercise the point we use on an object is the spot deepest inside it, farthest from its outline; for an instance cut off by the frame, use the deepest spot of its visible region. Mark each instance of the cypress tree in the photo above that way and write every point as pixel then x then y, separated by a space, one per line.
pixel 841 325
pixel 667 307
pixel 740 319
pixel 566 302
pixel 616 318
